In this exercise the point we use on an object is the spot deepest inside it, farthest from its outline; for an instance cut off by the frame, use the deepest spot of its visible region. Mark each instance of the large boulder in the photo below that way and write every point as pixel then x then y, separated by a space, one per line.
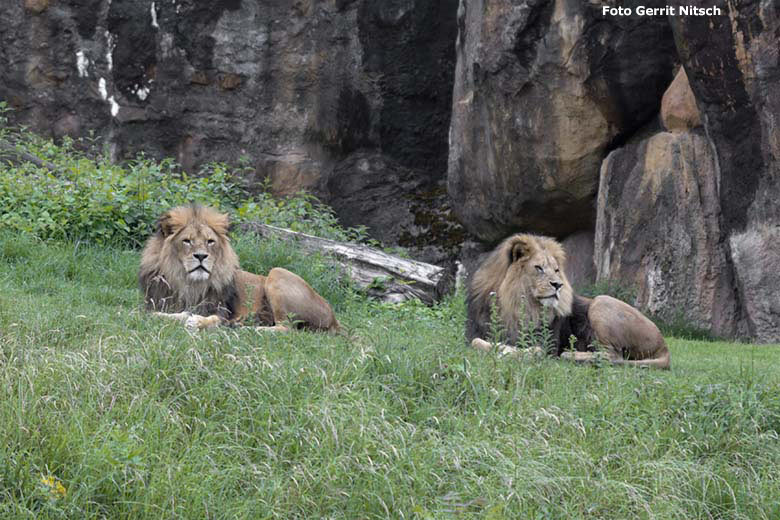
pixel 542 90
pixel 756 257
pixel 658 232
pixel 291 89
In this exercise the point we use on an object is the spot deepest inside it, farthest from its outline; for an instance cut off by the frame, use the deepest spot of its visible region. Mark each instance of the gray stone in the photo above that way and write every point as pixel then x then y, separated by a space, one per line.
pixel 580 269
pixel 396 205
pixel 733 67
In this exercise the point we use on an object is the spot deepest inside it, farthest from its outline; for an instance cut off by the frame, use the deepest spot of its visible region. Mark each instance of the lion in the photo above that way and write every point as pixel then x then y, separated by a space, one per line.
pixel 524 280
pixel 189 272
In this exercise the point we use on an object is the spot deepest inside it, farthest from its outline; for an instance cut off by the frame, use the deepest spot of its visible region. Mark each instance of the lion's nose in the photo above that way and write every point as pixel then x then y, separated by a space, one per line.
pixel 556 285
pixel 200 256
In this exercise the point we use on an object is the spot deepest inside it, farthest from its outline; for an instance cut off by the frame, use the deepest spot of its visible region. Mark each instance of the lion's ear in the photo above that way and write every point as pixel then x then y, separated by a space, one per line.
pixel 221 223
pixel 560 258
pixel 521 248
pixel 165 224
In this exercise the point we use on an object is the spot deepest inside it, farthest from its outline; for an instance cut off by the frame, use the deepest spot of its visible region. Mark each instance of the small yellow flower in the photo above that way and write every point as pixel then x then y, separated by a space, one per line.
pixel 55 487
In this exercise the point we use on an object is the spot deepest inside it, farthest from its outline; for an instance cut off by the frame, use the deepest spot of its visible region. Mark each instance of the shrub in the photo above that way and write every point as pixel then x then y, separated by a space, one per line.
pixel 92 199
pixel 623 292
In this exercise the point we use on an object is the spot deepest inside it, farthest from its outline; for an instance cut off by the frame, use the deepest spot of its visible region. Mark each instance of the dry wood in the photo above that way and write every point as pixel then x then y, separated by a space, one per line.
pixel 9 151
pixel 382 275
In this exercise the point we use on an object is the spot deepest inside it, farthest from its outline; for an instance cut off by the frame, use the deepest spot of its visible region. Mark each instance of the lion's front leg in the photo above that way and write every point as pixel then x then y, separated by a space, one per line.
pixel 192 321
pixel 588 357
pixel 505 350
pixel 273 328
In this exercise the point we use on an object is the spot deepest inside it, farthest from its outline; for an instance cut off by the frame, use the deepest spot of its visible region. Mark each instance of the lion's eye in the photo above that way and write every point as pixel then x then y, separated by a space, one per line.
pixel 557 270
pixel 187 242
pixel 210 241
pixel 539 268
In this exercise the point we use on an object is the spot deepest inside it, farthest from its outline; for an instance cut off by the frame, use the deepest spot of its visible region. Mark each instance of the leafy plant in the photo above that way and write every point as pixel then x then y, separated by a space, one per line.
pixel 90 198
pixel 612 288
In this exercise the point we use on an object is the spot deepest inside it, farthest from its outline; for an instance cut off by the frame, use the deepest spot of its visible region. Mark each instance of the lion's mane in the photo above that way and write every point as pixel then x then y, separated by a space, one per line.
pixel 164 281
pixel 512 278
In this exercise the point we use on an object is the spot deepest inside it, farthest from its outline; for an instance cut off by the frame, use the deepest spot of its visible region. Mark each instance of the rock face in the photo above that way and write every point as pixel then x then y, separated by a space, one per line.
pixel 690 219
pixel 580 269
pixel 658 231
pixel 296 88
pixel 733 68
pixel 756 254
pixel 395 203
pixel 542 88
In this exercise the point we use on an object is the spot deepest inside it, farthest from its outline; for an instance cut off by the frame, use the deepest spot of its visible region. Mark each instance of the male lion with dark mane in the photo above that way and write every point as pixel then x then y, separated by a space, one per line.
pixel 524 280
pixel 189 272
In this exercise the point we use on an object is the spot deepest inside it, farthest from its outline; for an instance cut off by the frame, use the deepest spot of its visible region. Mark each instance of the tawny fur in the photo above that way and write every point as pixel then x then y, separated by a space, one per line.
pixel 519 276
pixel 190 272
pixel 628 336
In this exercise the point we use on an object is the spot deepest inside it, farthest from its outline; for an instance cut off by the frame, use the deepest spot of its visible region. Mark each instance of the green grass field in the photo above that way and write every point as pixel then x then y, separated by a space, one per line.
pixel 106 412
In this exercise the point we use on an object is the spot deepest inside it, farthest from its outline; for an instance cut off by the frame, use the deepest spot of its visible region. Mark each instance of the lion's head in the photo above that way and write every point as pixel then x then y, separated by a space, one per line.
pixel 189 264
pixel 525 277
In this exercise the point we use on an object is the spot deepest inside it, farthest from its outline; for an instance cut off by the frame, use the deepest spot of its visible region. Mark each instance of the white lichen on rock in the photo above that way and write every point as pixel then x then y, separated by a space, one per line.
pixel 82 63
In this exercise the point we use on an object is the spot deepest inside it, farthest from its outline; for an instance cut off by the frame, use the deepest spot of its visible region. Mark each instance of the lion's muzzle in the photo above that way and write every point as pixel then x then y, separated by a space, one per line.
pixel 198 266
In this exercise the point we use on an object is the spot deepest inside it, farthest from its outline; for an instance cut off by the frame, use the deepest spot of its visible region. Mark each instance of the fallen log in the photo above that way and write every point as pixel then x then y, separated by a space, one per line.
pixel 381 275
pixel 9 152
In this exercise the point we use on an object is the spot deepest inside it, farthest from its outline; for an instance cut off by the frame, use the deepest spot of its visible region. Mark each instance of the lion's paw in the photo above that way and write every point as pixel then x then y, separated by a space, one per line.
pixel 197 322
pixel 193 322
pixel 178 316
pixel 481 344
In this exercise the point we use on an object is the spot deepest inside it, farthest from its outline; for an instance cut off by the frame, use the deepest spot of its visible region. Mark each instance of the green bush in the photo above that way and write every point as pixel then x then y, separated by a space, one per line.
pixel 612 288
pixel 92 199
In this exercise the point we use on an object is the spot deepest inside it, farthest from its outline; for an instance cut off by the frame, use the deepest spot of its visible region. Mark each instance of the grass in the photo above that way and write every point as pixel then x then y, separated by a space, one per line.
pixel 135 418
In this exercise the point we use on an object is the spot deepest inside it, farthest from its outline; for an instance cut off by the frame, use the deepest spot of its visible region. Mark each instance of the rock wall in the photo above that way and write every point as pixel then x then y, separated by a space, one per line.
pixel 733 65
pixel 658 231
pixel 755 254
pixel 690 218
pixel 302 91
pixel 542 90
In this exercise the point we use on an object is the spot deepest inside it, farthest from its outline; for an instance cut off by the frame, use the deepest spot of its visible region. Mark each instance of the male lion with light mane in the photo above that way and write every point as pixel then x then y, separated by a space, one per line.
pixel 189 272
pixel 524 279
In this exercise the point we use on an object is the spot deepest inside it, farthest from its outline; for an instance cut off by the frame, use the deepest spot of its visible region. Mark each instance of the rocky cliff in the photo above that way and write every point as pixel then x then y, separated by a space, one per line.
pixel 347 99
pixel 542 91
pixel 648 144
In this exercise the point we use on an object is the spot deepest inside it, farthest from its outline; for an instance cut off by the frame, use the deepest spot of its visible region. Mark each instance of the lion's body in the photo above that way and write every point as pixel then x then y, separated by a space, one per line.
pixel 518 276
pixel 627 335
pixel 190 272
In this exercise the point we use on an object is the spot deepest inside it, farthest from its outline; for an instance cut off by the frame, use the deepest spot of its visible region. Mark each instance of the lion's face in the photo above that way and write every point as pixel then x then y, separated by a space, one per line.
pixel 198 247
pixel 188 257
pixel 546 280
pixel 535 277
pixel 525 277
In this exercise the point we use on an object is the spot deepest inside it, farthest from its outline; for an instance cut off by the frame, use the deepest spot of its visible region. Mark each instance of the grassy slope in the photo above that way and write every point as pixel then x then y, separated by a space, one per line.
pixel 138 419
